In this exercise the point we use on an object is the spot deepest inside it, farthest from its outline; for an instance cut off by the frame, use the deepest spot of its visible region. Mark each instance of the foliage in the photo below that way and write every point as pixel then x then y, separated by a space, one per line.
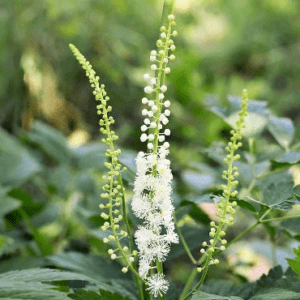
pixel 50 218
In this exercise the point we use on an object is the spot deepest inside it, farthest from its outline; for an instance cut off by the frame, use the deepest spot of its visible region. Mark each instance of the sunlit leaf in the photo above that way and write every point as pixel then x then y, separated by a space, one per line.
pixel 282 129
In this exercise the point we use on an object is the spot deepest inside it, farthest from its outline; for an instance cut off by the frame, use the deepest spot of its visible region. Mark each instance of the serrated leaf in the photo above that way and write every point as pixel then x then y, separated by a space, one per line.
pixel 228 288
pixel 41 275
pixel 295 263
pixel 277 190
pixel 198 295
pixel 246 205
pixel 276 278
pixel 282 129
pixel 29 291
pixel 90 295
pixel 29 284
pixel 276 294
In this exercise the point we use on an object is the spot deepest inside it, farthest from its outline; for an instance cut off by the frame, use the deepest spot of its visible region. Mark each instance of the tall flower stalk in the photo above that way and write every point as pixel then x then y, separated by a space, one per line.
pixel 152 188
pixel 226 209
pixel 113 190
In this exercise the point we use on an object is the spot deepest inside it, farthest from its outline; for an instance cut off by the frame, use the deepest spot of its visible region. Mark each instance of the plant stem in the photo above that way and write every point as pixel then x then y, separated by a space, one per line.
pixel 202 259
pixel 281 218
pixel 183 242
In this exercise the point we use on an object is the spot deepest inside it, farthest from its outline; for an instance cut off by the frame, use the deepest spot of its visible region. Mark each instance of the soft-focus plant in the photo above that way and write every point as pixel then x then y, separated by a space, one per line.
pixel 253 178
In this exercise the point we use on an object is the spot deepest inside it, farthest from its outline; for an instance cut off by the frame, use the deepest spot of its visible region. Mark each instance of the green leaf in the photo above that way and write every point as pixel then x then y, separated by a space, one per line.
pixel 290 158
pixel 282 129
pixel 257 115
pixel 198 295
pixel 90 295
pixel 228 288
pixel 28 284
pixel 41 275
pixel 277 190
pixel 93 266
pixel 197 181
pixel 245 205
pixel 5 243
pixel 292 226
pixel 7 205
pixel 276 278
pixel 194 236
pixel 17 165
pixel 90 156
pixel 297 191
pixel 295 263
pixel 50 141
pixel 276 294
pixel 196 212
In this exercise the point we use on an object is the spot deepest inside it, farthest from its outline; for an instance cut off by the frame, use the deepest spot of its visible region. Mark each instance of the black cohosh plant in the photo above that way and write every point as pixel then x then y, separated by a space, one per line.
pixel 145 251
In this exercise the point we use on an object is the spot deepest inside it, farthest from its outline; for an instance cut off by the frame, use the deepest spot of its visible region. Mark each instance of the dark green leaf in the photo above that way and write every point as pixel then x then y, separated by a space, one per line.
pixel 196 212
pixel 194 236
pixel 295 263
pixel 198 295
pixel 27 284
pixel 292 226
pixel 297 192
pixel 16 164
pixel 90 295
pixel 51 141
pixel 282 129
pixel 7 205
pixel 276 294
pixel 228 288
pixel 246 205
pixel 277 190
pixel 93 266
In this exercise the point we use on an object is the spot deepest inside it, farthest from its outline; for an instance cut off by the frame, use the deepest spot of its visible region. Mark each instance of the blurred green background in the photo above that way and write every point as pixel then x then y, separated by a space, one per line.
pixel 49 189
pixel 223 47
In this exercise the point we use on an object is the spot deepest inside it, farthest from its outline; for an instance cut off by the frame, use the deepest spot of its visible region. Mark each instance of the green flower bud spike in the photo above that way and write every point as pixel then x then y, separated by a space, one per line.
pixel 113 190
pixel 226 209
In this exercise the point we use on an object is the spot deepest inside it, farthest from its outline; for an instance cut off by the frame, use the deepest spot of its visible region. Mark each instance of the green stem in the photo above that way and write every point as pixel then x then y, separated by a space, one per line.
pixel 183 242
pixel 202 259
pixel 280 219
pixel 43 244
pixel 188 284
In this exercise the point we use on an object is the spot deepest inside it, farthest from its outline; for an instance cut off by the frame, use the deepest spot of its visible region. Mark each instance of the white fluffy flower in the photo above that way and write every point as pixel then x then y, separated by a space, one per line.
pixel 157 285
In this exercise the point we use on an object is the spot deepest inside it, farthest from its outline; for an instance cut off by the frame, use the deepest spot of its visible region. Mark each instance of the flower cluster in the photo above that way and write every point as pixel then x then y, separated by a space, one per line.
pixel 157 113
pixel 226 209
pixel 152 188
pixel 152 202
pixel 113 190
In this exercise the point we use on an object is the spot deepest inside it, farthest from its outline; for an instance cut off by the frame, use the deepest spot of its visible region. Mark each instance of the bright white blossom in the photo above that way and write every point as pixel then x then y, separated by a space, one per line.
pixel 157 285
pixel 152 187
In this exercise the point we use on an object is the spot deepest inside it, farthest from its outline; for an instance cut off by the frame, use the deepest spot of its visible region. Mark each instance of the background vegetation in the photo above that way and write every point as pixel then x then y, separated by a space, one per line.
pixel 51 160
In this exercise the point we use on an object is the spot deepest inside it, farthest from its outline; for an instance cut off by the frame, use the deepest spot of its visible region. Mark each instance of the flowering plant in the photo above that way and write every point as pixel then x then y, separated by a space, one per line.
pixel 149 245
